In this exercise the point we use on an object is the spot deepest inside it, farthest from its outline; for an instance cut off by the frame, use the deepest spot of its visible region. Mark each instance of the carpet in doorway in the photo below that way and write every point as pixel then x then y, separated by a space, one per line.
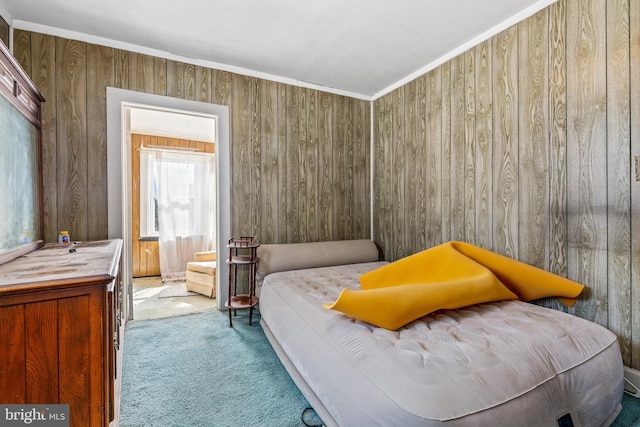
pixel 175 288
pixel 194 370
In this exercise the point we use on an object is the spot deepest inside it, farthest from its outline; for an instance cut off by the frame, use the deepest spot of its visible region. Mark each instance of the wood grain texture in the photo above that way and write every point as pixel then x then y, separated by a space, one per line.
pixel 72 149
pixel 447 162
pixel 203 84
pixel 41 351
pixel 484 145
pixel 141 72
pixel 13 369
pixel 4 31
pixel 634 88
pixel 43 53
pixel 240 155
pixel 175 79
pixel 538 126
pixel 21 49
pixel 190 82
pixel 74 349
pixel 505 148
pixel 586 158
pixel 361 156
pixel 409 169
pixel 295 192
pixel 100 72
pixel 435 148
pixel 533 139
pixel 398 196
pixel 121 66
pixel 311 172
pixel 457 150
pixel 618 219
pixel 341 215
pixel 270 162
pixel 470 146
pixel 326 180
pixel 159 76
pixel 558 140
pixel 292 160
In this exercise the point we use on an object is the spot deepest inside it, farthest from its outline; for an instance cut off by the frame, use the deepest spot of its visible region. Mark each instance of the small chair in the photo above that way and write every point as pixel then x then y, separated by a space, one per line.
pixel 201 274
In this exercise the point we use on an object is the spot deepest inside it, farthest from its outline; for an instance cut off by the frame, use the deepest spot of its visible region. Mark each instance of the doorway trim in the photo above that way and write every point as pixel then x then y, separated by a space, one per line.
pixel 119 177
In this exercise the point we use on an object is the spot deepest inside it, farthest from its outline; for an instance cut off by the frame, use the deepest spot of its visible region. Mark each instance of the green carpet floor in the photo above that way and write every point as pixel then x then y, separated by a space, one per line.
pixel 193 371
pixel 630 414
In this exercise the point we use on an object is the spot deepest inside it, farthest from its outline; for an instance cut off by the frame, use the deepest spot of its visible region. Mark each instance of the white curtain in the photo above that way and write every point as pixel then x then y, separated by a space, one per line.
pixel 185 188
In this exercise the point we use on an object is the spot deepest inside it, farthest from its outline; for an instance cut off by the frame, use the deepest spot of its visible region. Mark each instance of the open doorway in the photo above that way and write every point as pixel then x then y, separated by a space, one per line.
pixel 128 112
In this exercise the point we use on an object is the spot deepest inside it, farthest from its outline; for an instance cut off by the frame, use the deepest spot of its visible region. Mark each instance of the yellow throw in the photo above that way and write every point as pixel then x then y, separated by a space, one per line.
pixel 451 275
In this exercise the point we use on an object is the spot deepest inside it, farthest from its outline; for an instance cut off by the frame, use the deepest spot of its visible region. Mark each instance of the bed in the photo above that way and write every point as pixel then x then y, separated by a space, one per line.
pixel 507 363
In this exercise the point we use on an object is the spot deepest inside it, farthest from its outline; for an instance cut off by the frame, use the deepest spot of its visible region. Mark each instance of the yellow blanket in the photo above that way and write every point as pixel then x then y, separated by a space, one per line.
pixel 451 275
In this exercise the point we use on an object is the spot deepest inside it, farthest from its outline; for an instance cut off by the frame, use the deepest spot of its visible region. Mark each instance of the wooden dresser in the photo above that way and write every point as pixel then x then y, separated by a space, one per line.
pixel 60 327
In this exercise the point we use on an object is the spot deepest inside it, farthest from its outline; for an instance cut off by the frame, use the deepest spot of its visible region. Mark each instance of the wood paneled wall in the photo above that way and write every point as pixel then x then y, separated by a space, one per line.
pixel 4 31
pixel 300 157
pixel 524 145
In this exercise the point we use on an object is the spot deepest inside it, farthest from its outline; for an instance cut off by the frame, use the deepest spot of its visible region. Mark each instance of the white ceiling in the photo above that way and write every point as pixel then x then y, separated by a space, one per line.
pixel 362 48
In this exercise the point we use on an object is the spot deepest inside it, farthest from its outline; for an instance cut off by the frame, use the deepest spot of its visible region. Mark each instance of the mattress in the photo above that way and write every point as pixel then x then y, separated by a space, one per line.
pixel 503 363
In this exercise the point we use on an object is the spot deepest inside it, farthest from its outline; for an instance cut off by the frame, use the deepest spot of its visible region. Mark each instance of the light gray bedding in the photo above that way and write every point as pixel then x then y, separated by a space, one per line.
pixel 507 363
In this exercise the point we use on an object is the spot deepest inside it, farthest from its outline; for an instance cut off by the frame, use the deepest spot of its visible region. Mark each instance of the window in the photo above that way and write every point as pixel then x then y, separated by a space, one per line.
pixel 186 176
pixel 149 224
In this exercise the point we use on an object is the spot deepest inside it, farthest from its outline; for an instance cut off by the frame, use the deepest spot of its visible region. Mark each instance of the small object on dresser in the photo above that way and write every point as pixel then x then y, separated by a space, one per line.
pixel 64 237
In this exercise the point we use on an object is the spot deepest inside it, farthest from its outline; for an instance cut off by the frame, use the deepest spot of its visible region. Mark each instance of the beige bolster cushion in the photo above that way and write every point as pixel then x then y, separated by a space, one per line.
pixel 202 267
pixel 298 256
pixel 205 256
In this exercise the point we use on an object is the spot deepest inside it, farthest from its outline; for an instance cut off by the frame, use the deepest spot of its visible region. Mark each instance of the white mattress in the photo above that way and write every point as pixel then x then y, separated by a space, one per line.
pixel 505 363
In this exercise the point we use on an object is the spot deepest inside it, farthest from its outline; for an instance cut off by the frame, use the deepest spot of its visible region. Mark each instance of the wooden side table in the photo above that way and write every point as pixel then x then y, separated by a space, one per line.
pixel 242 252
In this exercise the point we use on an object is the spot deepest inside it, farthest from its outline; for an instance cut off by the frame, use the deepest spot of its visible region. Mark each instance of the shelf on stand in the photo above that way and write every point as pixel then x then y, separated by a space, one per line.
pixel 242 253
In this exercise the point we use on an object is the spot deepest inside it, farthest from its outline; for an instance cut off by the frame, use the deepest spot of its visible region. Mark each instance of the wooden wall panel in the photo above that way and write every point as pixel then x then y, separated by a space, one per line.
pixel 431 211
pixel 457 150
pixel 270 157
pixel 283 142
pixel 539 134
pixel 311 166
pixel 634 88
pixel 4 31
pixel 341 216
pixel 533 139
pixel 326 180
pixel 41 351
pixel 100 72
pixel 469 146
pixel 159 76
pixel 484 145
pixel 410 166
pixel 398 194
pixel 292 161
pixel 618 172
pixel 13 370
pixel 505 147
pixel 44 77
pixel 72 149
pixel 586 156
pixel 558 140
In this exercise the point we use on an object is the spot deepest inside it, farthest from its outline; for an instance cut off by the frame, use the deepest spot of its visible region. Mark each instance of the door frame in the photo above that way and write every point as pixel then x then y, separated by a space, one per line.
pixel 119 177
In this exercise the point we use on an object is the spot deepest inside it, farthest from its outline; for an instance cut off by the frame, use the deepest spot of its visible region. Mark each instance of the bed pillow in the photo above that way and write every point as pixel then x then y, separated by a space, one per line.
pixel 452 275
pixel 297 256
